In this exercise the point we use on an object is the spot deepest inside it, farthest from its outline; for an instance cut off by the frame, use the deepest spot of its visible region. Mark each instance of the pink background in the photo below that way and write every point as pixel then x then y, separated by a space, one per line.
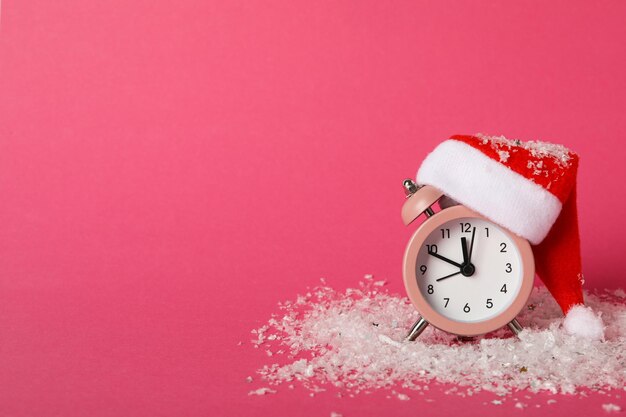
pixel 170 170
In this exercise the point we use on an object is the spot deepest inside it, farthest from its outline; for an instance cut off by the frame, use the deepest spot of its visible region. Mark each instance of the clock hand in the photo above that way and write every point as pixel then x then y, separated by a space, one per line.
pixel 469 259
pixel 436 255
pixel 448 276
pixel 464 248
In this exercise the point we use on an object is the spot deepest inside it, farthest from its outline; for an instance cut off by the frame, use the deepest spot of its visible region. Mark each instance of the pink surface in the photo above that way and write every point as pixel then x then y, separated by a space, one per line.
pixel 171 170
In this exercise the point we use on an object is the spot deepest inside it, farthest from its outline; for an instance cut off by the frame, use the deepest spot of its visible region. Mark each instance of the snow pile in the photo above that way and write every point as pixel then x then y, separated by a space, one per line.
pixel 355 340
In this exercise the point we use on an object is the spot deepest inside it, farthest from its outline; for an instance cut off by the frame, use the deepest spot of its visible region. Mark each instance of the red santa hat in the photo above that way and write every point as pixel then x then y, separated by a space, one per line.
pixel 530 189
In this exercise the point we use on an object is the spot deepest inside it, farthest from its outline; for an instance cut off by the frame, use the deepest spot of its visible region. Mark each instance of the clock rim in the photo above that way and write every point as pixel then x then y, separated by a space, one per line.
pixel 442 322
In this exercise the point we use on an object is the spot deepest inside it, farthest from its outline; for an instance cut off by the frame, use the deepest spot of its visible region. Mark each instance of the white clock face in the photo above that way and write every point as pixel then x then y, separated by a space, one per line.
pixel 469 270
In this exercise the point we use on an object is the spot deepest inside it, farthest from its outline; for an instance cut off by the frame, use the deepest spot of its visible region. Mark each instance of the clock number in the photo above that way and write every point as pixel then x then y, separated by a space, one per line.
pixel 431 289
pixel 423 268
pixel 487 230
pixel 489 303
pixel 465 227
pixel 466 308
pixel 503 289
pixel 502 247
pixel 447 301
pixel 445 233
pixel 508 268
pixel 431 248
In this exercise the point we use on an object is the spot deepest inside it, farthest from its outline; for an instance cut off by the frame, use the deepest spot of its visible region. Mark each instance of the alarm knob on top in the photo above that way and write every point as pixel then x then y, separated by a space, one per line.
pixel 418 200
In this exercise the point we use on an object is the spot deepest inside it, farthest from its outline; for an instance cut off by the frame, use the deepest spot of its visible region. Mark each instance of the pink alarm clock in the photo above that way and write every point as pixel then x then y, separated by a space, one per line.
pixel 463 273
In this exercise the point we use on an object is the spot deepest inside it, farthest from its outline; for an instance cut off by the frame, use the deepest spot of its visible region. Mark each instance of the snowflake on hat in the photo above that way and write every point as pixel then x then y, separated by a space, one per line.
pixel 529 188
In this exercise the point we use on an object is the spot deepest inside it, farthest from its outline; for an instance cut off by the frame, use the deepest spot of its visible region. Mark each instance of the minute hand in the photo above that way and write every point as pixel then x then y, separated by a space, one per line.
pixel 436 255
pixel 469 258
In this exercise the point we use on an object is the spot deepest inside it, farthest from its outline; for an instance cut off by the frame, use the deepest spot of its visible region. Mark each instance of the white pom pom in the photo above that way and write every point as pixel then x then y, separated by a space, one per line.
pixel 582 321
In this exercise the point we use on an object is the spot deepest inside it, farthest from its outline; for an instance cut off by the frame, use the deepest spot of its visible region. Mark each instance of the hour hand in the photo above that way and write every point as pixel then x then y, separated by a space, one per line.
pixel 443 258
pixel 464 248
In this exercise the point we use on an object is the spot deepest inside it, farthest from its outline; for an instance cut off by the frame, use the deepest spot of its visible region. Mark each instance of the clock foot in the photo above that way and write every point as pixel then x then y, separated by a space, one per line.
pixel 515 327
pixel 417 329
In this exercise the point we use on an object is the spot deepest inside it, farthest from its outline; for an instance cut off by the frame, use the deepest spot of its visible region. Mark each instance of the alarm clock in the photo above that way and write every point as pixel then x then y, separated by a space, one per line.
pixel 463 273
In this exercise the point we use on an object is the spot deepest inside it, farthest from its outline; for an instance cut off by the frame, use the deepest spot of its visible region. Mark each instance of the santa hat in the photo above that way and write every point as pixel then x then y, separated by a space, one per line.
pixel 530 189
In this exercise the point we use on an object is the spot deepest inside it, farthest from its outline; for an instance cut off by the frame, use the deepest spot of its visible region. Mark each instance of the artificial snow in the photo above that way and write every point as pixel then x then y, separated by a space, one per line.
pixel 262 391
pixel 504 156
pixel 402 397
pixel 355 341
pixel 611 408
pixel 538 149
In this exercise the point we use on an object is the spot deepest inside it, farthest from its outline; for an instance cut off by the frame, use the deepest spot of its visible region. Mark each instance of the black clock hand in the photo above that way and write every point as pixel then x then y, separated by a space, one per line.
pixel 469 259
pixel 464 248
pixel 436 255
pixel 448 276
